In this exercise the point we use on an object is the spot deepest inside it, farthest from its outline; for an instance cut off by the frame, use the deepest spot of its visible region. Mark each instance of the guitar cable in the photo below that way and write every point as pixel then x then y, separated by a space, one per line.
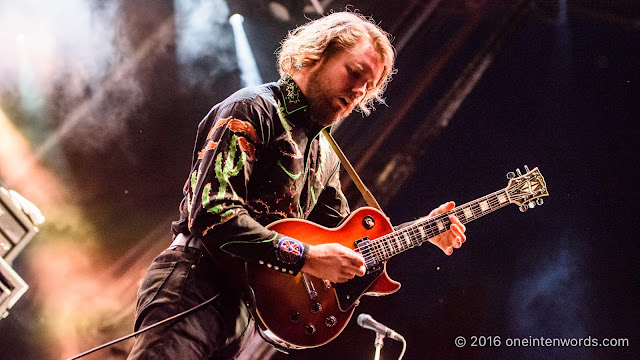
pixel 404 348
pixel 174 317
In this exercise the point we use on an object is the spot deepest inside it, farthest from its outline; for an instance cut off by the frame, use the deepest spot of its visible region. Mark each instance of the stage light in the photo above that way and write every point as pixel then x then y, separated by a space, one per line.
pixel 20 39
pixel 287 10
pixel 236 19
pixel 246 62
pixel 279 11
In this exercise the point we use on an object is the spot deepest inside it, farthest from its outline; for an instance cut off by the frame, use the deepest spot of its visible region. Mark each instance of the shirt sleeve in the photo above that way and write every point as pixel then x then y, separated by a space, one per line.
pixel 228 146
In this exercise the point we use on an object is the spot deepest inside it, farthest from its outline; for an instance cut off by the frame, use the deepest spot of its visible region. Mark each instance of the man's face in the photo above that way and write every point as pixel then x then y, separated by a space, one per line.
pixel 336 85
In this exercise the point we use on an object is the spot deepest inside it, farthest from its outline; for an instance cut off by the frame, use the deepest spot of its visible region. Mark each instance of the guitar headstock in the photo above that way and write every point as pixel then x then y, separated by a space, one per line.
pixel 523 189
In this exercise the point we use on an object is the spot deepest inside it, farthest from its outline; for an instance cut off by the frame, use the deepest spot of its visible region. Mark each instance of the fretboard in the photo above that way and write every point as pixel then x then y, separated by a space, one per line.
pixel 422 230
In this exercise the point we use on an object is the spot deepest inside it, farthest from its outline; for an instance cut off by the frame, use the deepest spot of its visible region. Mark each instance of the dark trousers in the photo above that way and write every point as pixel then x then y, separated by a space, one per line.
pixel 177 280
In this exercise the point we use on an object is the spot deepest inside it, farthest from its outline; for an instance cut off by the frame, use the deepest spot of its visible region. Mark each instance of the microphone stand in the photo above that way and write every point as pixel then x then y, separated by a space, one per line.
pixel 379 342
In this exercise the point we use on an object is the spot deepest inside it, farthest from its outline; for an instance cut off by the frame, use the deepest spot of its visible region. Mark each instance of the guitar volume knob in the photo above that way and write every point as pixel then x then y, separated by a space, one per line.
pixel 316 307
pixel 309 329
pixel 294 317
pixel 331 321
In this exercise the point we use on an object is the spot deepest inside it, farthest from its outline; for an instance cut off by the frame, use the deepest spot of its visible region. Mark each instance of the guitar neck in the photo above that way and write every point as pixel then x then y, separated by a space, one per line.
pixel 422 230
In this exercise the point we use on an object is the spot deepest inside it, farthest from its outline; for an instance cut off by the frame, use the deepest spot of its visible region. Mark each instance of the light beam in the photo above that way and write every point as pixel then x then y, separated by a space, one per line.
pixel 248 69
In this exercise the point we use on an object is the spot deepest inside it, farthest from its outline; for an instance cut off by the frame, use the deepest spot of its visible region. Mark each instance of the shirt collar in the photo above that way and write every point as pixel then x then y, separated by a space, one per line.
pixel 292 98
pixel 295 106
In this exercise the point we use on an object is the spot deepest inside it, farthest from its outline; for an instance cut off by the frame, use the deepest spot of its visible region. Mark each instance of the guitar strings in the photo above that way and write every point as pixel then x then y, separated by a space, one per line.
pixel 419 230
pixel 388 245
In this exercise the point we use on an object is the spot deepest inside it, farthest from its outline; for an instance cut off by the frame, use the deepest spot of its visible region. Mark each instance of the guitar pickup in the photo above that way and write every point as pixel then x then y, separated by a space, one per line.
pixel 365 247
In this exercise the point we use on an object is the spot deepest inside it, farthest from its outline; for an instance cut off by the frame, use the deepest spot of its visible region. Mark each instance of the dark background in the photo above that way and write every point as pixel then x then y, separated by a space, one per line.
pixel 560 92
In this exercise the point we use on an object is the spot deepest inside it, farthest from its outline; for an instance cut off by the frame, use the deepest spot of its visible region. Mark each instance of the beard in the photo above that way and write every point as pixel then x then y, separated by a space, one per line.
pixel 322 105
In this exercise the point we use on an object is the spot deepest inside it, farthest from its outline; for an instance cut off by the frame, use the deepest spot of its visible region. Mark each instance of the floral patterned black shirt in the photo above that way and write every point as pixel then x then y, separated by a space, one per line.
pixel 258 159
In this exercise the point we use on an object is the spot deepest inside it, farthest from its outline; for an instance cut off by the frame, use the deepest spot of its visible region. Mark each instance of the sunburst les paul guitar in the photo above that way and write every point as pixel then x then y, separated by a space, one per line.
pixel 303 311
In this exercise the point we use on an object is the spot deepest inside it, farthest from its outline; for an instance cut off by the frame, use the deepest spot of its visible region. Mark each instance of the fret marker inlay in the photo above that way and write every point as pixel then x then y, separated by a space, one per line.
pixel 406 239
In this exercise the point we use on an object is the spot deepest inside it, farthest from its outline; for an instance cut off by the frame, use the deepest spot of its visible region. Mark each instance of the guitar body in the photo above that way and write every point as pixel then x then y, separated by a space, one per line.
pixel 303 311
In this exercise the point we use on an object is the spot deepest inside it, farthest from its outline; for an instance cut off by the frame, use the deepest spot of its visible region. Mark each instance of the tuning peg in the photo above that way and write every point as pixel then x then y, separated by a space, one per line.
pixel 532 204
pixel 539 201
pixel 526 168
pixel 511 175
pixel 524 208
pixel 518 172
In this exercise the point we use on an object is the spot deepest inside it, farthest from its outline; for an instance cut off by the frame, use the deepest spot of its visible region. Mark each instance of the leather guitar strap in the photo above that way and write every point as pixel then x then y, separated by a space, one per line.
pixel 368 197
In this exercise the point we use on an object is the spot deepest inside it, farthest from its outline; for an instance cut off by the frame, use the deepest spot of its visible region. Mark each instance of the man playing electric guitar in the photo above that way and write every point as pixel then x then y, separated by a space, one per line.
pixel 324 265
pixel 260 157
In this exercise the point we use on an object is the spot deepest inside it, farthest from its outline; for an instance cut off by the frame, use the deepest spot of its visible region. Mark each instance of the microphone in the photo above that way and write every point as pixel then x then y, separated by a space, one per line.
pixel 367 322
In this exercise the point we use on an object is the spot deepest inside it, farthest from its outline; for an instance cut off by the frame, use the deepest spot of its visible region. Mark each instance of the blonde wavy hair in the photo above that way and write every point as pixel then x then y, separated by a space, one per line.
pixel 328 35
